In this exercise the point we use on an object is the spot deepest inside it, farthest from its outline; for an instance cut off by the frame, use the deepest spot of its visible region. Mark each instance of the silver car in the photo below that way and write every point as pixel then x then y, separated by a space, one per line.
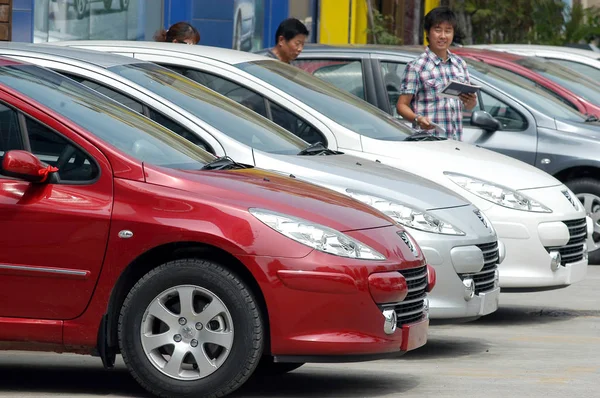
pixel 456 238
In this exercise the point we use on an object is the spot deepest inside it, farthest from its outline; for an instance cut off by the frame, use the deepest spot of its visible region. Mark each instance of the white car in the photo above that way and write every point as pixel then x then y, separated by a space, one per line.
pixel 536 216
pixel 586 62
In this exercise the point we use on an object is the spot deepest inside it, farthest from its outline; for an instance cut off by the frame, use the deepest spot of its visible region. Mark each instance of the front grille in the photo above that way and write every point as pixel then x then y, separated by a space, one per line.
pixel 412 308
pixel 484 279
pixel 574 249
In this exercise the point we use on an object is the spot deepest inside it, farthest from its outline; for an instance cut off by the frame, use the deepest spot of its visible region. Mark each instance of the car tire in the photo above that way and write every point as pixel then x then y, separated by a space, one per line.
pixel 587 191
pixel 80 8
pixel 267 367
pixel 158 346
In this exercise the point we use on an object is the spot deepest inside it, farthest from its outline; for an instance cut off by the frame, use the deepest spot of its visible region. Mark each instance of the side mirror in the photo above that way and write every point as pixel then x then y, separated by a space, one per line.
pixel 485 121
pixel 25 166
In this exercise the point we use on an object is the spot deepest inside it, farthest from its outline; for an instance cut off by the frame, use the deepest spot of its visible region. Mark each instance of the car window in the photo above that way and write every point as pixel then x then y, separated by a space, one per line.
pixel 10 133
pixel 565 77
pixel 508 116
pixel 523 89
pixel 179 129
pixel 239 94
pixel 51 148
pixel 256 102
pixel 584 69
pixel 118 126
pixel 227 116
pixel 109 92
pixel 346 75
pixel 392 79
pixel 336 104
pixel 293 123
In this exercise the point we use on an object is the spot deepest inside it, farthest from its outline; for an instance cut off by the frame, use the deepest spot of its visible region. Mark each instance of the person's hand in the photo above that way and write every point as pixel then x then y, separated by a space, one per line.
pixel 469 100
pixel 424 123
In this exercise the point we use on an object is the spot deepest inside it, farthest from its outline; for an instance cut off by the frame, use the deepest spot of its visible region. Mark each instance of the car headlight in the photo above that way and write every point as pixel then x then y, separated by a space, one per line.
pixel 497 194
pixel 407 216
pixel 317 236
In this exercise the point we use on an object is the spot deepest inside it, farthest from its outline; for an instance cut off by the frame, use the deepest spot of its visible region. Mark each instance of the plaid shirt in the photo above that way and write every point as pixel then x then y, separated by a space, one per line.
pixel 424 77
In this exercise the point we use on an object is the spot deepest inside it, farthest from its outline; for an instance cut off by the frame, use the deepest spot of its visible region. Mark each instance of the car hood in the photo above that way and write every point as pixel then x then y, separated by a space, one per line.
pixel 246 188
pixel 431 158
pixel 341 172
pixel 589 130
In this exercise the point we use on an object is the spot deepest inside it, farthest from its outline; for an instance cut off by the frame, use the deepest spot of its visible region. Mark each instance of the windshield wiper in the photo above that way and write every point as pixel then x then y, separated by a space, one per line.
pixel 591 118
pixel 423 136
pixel 316 149
pixel 224 163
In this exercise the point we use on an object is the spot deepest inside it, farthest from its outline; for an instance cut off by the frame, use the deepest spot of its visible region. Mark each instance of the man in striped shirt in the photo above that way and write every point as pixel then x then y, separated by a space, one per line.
pixel 426 76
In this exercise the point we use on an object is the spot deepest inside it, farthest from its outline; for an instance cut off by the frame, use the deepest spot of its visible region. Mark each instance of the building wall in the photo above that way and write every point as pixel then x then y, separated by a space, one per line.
pixel 45 20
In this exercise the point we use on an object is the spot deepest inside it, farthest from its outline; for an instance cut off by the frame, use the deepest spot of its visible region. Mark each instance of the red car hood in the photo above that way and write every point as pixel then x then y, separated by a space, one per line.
pixel 248 188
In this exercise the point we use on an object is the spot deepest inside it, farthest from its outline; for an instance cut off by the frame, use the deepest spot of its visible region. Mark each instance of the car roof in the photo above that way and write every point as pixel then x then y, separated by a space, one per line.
pixel 533 47
pixel 89 56
pixel 365 48
pixel 225 55
pixel 487 53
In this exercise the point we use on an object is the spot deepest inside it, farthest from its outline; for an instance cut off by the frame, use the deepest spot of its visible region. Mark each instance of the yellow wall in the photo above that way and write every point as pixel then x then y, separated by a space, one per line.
pixel 343 22
pixel 429 5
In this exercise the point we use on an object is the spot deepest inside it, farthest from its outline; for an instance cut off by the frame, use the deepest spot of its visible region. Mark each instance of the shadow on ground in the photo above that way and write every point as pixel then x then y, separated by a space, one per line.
pixel 439 347
pixel 331 381
pixel 521 315
pixel 68 381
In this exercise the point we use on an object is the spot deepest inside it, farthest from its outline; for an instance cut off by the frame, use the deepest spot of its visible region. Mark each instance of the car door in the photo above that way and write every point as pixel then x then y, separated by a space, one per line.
pixel 53 235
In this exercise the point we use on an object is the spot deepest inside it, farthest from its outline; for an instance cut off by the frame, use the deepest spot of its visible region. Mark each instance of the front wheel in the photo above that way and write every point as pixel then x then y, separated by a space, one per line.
pixel 190 328
pixel 587 191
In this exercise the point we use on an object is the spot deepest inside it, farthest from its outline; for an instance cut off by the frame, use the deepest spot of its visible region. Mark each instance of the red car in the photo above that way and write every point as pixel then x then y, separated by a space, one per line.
pixel 571 88
pixel 119 236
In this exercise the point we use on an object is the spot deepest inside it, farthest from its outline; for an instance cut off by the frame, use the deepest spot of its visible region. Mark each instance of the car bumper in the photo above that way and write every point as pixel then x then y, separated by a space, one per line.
pixel 450 299
pixel 531 239
pixel 321 308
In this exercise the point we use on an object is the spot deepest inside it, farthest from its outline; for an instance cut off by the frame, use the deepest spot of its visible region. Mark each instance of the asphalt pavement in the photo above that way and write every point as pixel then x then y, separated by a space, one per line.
pixel 543 344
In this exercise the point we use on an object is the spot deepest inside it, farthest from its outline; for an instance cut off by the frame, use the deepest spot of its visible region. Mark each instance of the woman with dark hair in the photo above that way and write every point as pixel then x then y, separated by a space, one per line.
pixel 180 32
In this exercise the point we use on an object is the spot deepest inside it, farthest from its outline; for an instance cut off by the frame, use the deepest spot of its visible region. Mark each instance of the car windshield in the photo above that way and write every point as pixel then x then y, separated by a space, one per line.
pixel 113 123
pixel 575 82
pixel 336 104
pixel 524 90
pixel 227 116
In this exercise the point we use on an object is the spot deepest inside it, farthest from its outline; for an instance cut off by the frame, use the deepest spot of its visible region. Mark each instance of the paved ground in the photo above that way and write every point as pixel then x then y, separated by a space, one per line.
pixel 536 345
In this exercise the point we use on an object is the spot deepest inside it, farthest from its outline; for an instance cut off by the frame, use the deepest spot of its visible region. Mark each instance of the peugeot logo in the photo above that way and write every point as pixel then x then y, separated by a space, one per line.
pixel 481 218
pixel 409 242
pixel 570 199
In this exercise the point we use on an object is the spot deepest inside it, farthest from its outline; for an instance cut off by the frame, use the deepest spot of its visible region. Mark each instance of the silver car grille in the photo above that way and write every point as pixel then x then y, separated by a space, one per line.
pixel 412 308
pixel 484 279
pixel 574 249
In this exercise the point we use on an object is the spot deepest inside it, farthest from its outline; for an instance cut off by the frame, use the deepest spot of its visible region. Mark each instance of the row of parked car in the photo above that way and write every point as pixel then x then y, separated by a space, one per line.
pixel 209 213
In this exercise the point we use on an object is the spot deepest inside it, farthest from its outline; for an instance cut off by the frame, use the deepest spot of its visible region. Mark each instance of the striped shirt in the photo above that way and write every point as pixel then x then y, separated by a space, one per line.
pixel 424 78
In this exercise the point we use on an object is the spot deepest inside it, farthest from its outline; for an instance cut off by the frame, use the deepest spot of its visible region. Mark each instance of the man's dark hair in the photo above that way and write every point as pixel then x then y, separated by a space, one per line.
pixel 437 16
pixel 289 29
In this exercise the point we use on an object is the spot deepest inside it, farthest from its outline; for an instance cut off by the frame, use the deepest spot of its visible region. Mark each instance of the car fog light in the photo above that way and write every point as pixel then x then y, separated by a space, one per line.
pixel 555 260
pixel 469 288
pixel 501 252
pixel 496 278
pixel 390 322
pixel 585 252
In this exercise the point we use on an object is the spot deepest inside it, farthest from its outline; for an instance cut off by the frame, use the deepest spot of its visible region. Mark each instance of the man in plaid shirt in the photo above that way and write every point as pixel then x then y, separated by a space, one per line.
pixel 426 76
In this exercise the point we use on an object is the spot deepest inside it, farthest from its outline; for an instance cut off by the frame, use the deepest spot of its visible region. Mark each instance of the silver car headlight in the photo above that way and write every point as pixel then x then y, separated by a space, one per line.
pixel 497 194
pixel 317 236
pixel 407 216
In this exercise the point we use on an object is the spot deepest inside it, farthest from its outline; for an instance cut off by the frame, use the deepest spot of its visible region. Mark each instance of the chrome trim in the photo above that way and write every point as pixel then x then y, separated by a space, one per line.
pixel 44 269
